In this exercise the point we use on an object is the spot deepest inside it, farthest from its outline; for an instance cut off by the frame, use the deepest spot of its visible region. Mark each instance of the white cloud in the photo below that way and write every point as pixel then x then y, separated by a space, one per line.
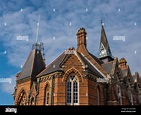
pixel 8 86
pixel 56 24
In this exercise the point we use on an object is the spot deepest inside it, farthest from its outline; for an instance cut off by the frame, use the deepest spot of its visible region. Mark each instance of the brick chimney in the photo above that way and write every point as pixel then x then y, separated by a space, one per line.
pixel 123 63
pixel 81 39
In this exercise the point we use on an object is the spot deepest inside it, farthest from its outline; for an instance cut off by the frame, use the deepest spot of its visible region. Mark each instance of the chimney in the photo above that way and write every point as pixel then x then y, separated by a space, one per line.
pixel 123 63
pixel 81 38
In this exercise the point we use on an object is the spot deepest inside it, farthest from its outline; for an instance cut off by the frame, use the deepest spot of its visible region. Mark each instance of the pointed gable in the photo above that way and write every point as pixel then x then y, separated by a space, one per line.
pixel 57 64
pixel 33 65
pixel 87 59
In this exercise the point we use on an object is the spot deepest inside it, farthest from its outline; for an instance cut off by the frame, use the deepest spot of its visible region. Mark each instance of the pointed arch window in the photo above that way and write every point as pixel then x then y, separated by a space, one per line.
pixel 47 94
pixel 72 90
pixel 22 98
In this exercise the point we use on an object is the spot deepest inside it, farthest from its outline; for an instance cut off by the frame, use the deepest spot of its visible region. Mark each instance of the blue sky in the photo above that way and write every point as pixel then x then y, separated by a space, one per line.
pixel 59 22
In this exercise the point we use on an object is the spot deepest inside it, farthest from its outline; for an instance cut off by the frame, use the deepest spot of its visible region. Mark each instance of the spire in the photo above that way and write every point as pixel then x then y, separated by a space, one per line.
pixel 36 45
pixel 104 49
pixel 38 24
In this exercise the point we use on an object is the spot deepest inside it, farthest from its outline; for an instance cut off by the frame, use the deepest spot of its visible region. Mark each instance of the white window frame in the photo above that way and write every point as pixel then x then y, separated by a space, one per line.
pixel 72 89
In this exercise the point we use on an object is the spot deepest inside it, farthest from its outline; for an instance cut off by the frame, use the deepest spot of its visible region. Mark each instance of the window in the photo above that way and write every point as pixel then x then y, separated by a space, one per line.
pixel 22 99
pixel 119 95
pixel 72 90
pixel 47 95
pixel 98 99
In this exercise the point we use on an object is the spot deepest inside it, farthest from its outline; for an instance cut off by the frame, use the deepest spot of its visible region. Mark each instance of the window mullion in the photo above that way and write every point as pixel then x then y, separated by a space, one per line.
pixel 72 93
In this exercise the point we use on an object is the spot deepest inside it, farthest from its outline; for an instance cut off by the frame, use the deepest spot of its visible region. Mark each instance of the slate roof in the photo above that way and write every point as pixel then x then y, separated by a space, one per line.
pixel 33 65
pixel 108 66
pixel 56 64
pixel 104 41
pixel 97 59
pixel 90 68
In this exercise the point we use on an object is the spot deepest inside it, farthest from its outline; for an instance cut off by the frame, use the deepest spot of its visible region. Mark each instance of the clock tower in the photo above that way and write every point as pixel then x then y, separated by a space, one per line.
pixel 104 48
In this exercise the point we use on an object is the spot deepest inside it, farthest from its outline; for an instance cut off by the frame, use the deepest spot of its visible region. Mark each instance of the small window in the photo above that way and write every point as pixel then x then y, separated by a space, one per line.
pixel 47 95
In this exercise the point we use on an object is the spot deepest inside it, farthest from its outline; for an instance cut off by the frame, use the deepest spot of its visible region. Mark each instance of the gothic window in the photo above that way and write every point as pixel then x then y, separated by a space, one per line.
pixel 22 98
pixel 119 95
pixel 72 90
pixel 98 97
pixel 47 93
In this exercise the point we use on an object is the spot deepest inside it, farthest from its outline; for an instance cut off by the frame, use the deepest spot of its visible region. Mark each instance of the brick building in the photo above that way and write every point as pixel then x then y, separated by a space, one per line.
pixel 77 77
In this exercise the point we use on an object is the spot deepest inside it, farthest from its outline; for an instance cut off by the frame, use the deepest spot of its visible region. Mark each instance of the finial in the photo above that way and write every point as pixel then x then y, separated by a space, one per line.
pixel 102 22
pixel 37 29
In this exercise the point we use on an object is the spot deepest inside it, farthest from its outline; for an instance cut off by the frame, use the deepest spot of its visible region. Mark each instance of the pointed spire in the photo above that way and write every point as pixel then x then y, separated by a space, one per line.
pixel 38 24
pixel 104 49
pixel 37 45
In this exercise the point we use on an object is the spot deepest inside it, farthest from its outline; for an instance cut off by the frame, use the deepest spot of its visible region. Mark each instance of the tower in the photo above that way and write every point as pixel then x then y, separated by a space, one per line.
pixel 104 48
pixel 26 81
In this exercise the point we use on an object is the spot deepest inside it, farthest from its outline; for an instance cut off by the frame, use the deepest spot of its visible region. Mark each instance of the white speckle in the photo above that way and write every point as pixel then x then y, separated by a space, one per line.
pixel 135 24
pixel 86 37
pixel 86 9
pixel 21 10
pixel 103 23
pixel 70 23
pixel 4 52
pixel 5 23
pixel 38 24
pixel 53 9
pixel 21 66
pixel 53 38
pixel 119 9
pixel 135 51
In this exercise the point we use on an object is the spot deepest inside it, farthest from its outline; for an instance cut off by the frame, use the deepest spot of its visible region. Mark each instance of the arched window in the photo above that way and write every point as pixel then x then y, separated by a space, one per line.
pixel 98 97
pixel 72 90
pixel 119 95
pixel 47 95
pixel 22 98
